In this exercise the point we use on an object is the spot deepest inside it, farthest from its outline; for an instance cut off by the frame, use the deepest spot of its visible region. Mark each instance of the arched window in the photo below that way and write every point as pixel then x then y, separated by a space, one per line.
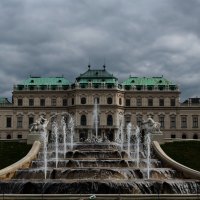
pixel 8 136
pixel 96 100
pixel 83 100
pixel 195 136
pixel 173 135
pixel 184 136
pixel 83 120
pixel 109 100
pixel 109 120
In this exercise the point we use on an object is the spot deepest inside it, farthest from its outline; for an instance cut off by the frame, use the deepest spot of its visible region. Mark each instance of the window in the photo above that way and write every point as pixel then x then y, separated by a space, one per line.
pixel 19 136
pixel 195 121
pixel 173 136
pixel 31 102
pixel 83 120
pixel 96 100
pixel 72 101
pixel 173 122
pixel 43 87
pixel 42 102
pixel 30 121
pixel 127 119
pixel 83 100
pixel 109 100
pixel 150 87
pixel 161 87
pixel 8 122
pixel 109 85
pixel 139 120
pixel 109 120
pixel 139 102
pixel 184 136
pixel 183 121
pixel 64 102
pixel 120 101
pixel 150 102
pixel 53 102
pixel 128 102
pixel 19 121
pixel 172 102
pixel 162 121
pixel 161 102
pixel 53 87
pixel 96 85
pixel 31 87
pixel 8 136
pixel 20 102
pixel 195 136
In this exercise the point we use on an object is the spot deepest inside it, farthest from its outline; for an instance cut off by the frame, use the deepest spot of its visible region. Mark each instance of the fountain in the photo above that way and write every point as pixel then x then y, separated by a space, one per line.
pixel 64 137
pixel 129 129
pixel 148 146
pixel 95 117
pixel 137 149
pixel 96 167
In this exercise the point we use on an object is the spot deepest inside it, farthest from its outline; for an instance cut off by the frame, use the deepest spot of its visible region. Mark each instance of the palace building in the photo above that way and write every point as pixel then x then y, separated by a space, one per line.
pixel 134 99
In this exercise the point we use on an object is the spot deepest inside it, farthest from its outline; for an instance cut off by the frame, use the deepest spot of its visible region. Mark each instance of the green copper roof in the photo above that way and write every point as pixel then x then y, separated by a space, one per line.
pixel 45 81
pixel 151 81
pixel 4 100
pixel 96 76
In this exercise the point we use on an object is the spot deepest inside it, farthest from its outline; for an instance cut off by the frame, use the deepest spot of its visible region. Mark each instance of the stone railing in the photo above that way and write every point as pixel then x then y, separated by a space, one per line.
pixel 8 172
pixel 168 162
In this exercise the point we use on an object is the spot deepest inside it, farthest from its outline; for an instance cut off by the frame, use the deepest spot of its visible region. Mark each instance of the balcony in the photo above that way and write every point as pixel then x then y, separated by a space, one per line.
pixel 150 88
pixel 41 88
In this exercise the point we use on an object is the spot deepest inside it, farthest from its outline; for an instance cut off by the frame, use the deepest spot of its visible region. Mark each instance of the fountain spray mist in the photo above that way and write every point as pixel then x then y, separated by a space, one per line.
pixel 55 132
pixel 148 144
pixel 71 124
pixel 137 134
pixel 129 127
pixel 44 136
pixel 122 133
pixel 95 117
pixel 64 136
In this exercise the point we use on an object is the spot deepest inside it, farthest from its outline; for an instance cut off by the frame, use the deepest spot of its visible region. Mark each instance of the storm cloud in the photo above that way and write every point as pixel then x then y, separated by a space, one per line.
pixel 134 37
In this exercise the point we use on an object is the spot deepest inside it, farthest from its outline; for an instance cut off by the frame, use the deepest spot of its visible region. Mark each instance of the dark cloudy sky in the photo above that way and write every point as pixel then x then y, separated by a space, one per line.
pixel 136 37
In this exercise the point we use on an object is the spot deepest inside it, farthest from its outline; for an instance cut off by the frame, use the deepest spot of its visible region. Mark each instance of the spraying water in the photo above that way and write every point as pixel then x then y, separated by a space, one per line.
pixel 129 127
pixel 137 134
pixel 71 125
pixel 148 144
pixel 67 131
pixel 43 123
pixel 95 117
pixel 64 136
pixel 122 134
pixel 55 132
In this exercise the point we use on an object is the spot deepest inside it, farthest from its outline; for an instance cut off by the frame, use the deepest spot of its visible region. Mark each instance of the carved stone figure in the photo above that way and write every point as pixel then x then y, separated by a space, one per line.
pixel 39 125
pixel 151 126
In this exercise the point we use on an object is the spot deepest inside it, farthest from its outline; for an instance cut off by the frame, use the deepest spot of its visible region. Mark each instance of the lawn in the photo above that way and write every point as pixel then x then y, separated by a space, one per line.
pixel 185 152
pixel 10 152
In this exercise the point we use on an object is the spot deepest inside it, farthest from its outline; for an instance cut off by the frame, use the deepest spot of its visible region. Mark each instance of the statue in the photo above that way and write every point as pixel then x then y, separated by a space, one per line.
pixel 151 126
pixel 39 125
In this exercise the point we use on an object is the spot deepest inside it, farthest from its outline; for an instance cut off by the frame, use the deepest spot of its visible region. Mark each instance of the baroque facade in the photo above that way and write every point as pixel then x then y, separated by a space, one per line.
pixel 130 101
